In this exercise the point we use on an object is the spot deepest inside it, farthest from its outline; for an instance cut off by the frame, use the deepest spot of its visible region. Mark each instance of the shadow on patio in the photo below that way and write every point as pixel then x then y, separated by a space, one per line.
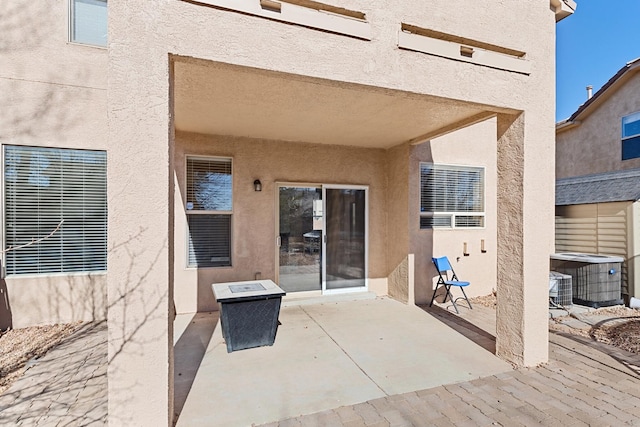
pixel 479 328
pixel 190 344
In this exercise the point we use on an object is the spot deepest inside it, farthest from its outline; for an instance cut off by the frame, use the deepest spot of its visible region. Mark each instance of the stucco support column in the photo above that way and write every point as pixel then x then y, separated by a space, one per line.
pixel 523 244
pixel 140 320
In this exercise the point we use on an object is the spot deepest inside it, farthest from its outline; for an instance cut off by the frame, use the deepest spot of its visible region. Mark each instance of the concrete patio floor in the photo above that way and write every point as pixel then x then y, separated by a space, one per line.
pixel 329 354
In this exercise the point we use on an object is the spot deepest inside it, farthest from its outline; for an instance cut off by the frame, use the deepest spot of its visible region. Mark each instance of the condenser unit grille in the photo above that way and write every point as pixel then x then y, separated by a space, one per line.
pixel 560 289
pixel 597 282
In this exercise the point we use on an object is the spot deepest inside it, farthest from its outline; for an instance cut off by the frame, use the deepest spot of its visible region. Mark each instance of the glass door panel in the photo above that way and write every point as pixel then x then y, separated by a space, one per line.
pixel 300 235
pixel 345 243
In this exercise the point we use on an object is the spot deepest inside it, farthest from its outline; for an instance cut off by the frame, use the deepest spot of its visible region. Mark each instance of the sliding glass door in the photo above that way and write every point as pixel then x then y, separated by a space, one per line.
pixel 345 249
pixel 299 235
pixel 322 238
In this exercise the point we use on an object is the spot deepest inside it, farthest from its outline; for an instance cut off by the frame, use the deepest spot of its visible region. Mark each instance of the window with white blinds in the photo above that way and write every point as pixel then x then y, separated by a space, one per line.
pixel 88 22
pixel 47 187
pixel 209 209
pixel 451 196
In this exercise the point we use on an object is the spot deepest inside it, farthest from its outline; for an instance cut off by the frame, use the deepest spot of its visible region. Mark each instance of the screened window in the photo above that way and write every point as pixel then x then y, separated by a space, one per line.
pixel 451 196
pixel 631 136
pixel 209 209
pixel 49 187
pixel 88 22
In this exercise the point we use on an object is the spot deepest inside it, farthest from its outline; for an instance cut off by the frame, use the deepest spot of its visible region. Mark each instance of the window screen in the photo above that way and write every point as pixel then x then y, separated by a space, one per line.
pixel 42 187
pixel 631 125
pixel 451 196
pixel 209 208
pixel 89 22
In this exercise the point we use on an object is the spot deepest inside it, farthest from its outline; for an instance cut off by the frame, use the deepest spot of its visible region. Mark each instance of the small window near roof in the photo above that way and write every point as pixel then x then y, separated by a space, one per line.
pixel 451 196
pixel 88 22
pixel 631 136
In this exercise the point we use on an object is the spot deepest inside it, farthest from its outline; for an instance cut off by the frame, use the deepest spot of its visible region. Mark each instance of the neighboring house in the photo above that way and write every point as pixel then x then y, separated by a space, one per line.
pixel 328 146
pixel 598 172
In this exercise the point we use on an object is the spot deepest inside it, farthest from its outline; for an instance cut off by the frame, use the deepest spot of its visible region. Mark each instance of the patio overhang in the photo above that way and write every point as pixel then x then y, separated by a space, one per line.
pixel 222 99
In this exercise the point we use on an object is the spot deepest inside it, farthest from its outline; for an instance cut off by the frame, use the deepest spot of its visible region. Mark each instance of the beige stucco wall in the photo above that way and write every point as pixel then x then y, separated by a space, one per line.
pixel 595 144
pixel 254 213
pixel 472 146
pixel 141 190
pixel 35 48
pixel 398 282
pixel 254 232
pixel 51 299
pixel 54 95
pixel 397 204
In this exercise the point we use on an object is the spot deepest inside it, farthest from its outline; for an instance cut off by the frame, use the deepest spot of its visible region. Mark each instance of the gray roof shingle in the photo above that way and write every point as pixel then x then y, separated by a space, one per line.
pixel 617 186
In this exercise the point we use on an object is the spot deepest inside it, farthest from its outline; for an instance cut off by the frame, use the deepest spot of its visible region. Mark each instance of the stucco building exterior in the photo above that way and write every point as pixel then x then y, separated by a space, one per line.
pixel 597 166
pixel 329 146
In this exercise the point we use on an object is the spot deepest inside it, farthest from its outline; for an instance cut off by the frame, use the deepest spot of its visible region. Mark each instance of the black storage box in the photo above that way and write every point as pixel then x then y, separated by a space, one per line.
pixel 248 312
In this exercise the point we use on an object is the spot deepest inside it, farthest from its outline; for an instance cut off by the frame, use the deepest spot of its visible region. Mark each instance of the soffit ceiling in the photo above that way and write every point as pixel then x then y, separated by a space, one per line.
pixel 213 98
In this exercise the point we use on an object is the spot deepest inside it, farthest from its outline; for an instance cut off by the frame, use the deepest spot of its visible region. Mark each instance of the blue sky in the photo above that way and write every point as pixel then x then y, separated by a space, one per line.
pixel 592 45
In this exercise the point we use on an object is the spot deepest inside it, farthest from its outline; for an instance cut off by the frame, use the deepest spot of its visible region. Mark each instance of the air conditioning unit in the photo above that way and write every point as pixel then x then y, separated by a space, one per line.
pixel 560 289
pixel 597 279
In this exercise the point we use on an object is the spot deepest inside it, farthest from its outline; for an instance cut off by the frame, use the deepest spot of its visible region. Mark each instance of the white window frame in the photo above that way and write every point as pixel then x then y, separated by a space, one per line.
pixel 453 215
pixel 190 211
pixel 87 247
pixel 71 26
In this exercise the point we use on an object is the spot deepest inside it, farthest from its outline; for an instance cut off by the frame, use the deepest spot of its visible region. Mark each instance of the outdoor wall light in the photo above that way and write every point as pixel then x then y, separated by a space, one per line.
pixel 257 185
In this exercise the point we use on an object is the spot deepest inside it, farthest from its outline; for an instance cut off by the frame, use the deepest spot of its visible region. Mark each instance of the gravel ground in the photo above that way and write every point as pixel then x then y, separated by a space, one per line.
pixel 625 335
pixel 19 346
pixel 486 300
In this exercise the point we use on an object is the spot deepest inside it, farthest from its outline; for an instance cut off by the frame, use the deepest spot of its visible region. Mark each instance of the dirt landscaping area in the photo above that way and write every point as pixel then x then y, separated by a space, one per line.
pixel 621 327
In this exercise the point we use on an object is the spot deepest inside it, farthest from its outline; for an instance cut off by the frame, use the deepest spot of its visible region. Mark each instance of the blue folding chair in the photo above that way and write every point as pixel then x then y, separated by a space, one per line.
pixel 444 267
